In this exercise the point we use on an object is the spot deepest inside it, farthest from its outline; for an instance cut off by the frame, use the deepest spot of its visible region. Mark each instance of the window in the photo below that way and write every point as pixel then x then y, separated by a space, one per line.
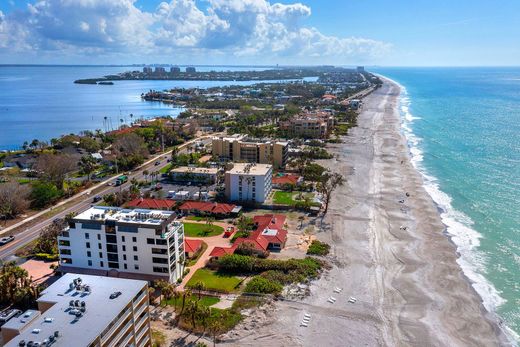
pixel 112 257
pixel 64 243
pixel 160 242
pixel 124 256
pixel 100 246
pixel 134 239
pixel 150 241
pixel 101 264
pixel 136 267
pixel 112 248
pixel 136 257
pixel 100 255
pixel 160 269
pixel 87 236
pixel 89 254
pixel 160 260
pixel 92 226
pixel 125 266
pixel 88 245
pixel 66 260
pixel 159 251
pixel 113 265
pixel 123 238
pixel 89 262
pixel 65 251
pixel 135 248
pixel 124 248
pixel 64 234
pixel 99 236
pixel 127 228
pixel 111 238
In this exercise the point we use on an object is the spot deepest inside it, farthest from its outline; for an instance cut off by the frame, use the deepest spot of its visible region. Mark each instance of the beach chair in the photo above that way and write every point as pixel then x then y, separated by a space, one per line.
pixel 302 324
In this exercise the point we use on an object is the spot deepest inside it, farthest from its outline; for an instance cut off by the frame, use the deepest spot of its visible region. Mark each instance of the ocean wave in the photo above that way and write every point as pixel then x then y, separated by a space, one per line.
pixel 458 225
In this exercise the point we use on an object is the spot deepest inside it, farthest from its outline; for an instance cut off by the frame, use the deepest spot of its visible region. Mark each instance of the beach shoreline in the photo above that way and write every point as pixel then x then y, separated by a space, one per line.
pixel 389 250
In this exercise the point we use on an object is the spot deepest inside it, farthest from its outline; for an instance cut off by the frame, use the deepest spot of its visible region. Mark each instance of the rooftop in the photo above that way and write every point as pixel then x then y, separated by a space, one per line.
pixel 100 310
pixel 138 216
pixel 250 169
pixel 154 204
pixel 195 170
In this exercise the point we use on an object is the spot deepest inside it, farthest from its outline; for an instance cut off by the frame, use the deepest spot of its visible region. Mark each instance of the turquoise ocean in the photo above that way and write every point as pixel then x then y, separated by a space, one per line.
pixel 463 131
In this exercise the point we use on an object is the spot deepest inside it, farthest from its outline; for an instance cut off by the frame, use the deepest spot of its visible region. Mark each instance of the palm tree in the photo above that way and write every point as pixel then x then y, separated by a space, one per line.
pixel 193 312
pixel 87 164
pixel 199 286
pixel 186 293
pixel 203 314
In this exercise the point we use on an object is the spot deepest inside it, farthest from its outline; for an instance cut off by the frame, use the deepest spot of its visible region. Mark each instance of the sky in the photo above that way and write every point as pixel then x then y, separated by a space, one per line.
pixel 259 32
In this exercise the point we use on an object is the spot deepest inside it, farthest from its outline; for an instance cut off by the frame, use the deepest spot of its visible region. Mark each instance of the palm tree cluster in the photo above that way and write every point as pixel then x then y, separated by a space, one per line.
pixel 16 286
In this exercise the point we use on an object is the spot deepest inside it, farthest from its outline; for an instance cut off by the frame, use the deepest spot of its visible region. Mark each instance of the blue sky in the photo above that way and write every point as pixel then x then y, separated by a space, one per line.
pixel 343 32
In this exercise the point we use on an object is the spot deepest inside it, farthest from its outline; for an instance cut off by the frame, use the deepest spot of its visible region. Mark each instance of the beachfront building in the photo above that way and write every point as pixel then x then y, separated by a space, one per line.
pixel 309 125
pixel 270 234
pixel 83 311
pixel 186 174
pixel 241 148
pixel 249 182
pixel 132 243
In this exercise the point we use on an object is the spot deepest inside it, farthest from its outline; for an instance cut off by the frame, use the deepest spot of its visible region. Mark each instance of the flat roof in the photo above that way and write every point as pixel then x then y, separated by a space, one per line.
pixel 138 215
pixel 250 169
pixel 196 170
pixel 100 310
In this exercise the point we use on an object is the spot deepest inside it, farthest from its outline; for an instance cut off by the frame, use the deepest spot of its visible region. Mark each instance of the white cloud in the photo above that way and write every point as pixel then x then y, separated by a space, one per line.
pixel 240 28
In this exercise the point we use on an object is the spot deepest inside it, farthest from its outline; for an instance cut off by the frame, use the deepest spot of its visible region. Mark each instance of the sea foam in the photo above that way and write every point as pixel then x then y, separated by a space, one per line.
pixel 458 225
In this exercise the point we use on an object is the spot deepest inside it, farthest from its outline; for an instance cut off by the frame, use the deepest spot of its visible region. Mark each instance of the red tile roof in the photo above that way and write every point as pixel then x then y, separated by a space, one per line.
pixel 210 207
pixel 153 204
pixel 192 246
pixel 286 179
pixel 257 239
pixel 221 251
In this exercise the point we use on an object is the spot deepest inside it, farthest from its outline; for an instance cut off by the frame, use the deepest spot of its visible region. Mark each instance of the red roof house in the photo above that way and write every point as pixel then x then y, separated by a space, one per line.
pixel 191 247
pixel 269 234
pixel 279 181
pixel 204 207
pixel 152 204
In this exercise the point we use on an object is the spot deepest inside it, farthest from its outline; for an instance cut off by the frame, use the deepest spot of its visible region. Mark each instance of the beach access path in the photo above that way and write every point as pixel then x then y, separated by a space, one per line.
pixel 389 252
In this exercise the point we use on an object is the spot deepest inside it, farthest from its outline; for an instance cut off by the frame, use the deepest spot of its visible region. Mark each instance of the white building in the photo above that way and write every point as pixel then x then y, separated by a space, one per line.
pixel 144 244
pixel 82 310
pixel 249 182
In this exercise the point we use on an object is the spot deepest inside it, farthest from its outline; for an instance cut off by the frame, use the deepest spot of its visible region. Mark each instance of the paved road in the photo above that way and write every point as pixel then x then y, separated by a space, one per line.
pixel 85 201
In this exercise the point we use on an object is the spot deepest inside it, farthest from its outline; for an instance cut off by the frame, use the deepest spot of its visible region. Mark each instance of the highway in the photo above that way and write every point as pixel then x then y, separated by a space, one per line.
pixel 30 233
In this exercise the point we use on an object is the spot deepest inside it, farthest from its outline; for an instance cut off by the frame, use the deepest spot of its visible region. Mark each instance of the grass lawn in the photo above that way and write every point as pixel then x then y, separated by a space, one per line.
pixel 215 281
pixel 289 198
pixel 23 180
pixel 197 218
pixel 201 230
pixel 204 300
pixel 166 169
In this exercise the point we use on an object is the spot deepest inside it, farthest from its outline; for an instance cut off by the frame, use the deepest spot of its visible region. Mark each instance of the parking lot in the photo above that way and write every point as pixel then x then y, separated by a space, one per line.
pixel 168 186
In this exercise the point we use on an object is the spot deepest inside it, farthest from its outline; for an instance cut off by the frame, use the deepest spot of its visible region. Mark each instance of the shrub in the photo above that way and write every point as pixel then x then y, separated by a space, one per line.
pixel 47 256
pixel 318 248
pixel 263 285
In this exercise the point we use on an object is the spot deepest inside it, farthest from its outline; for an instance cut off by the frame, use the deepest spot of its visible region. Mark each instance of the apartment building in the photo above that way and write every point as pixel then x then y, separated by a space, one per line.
pixel 315 125
pixel 194 174
pixel 133 243
pixel 249 182
pixel 85 311
pixel 240 148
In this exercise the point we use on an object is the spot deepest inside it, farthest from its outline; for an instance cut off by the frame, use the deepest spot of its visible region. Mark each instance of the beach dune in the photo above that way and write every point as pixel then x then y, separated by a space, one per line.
pixel 389 252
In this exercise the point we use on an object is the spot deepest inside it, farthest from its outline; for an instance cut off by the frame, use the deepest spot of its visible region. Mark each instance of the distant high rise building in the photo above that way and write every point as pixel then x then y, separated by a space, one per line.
pixel 147 70
pixel 360 69
pixel 160 70
pixel 190 69
pixel 175 70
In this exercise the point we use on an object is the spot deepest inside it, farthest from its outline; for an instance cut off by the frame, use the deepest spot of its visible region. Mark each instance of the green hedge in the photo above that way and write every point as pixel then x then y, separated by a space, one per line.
pixel 318 248
pixel 263 285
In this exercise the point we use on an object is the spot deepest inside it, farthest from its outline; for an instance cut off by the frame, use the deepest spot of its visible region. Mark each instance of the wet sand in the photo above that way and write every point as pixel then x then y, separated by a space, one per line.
pixel 389 251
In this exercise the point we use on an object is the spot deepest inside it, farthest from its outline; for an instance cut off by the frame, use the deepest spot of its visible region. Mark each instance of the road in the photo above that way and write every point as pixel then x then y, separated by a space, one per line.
pixel 85 201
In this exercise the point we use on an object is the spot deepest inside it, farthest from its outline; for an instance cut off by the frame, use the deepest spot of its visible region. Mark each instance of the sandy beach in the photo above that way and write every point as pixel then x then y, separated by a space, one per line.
pixel 388 251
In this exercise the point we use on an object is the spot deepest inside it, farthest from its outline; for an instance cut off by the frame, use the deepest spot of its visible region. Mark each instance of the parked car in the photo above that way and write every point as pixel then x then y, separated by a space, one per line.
pixel 6 240
pixel 157 163
pixel 97 198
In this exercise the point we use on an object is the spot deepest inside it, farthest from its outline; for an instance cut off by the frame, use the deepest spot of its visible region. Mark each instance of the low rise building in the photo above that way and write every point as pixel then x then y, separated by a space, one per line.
pixel 202 175
pixel 241 148
pixel 84 311
pixel 209 208
pixel 139 243
pixel 314 125
pixel 249 182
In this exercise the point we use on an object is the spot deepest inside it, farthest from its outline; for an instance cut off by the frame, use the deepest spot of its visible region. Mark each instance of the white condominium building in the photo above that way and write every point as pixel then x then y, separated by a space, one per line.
pixel 249 182
pixel 143 244
pixel 85 311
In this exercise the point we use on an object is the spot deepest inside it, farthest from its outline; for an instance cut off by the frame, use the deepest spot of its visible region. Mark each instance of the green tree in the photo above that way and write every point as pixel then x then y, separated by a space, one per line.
pixel 87 164
pixel 44 194
pixel 15 285
pixel 327 184
pixel 199 287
